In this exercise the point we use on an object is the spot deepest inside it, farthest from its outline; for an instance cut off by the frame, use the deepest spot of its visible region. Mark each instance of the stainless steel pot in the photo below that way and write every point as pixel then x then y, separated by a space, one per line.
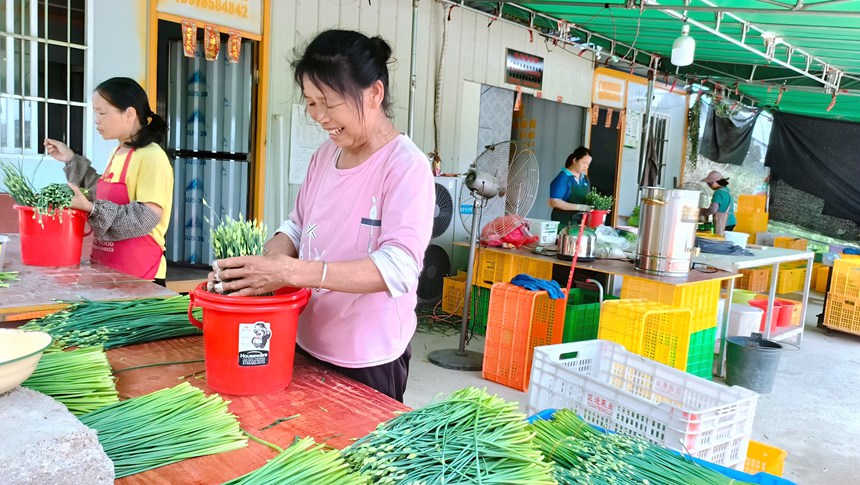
pixel 667 230
pixel 567 244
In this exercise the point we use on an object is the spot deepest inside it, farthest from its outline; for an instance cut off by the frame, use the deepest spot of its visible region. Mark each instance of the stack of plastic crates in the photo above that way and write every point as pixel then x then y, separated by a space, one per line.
pixel 453 293
pixel 754 279
pixel 791 277
pixel 843 301
pixel 650 329
pixel 623 392
pixel 797 243
pixel 582 317
pixel 702 299
pixel 752 216
pixel 519 320
pixel 496 266
pixel 480 309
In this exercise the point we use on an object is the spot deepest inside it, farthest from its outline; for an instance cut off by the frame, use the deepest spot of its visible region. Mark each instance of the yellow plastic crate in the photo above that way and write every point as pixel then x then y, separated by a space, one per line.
pixel 654 330
pixel 754 279
pixel 764 458
pixel 791 277
pixel 846 277
pixel 842 313
pixel 700 298
pixel 453 293
pixel 752 203
pixel 493 266
pixel 821 279
pixel 751 222
pixel 799 244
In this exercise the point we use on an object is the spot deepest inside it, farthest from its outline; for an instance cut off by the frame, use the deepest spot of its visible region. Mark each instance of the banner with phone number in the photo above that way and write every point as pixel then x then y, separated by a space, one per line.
pixel 245 15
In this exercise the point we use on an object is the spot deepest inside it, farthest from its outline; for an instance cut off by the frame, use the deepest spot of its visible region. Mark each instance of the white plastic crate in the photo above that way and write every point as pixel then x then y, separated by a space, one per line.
pixel 624 392
pixel 546 230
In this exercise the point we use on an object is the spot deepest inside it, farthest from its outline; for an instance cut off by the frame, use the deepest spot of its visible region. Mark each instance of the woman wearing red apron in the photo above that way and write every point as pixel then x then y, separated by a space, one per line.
pixel 134 196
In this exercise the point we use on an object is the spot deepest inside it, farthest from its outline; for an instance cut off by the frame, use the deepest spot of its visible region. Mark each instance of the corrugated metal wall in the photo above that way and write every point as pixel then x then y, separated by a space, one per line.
pixel 475 53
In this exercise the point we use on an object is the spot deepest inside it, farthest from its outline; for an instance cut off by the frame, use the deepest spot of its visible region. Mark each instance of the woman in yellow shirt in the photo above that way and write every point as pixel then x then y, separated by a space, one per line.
pixel 133 198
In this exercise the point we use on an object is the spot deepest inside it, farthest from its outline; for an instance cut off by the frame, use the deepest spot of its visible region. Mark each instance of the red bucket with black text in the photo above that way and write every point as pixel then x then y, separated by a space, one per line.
pixel 249 341
pixel 55 241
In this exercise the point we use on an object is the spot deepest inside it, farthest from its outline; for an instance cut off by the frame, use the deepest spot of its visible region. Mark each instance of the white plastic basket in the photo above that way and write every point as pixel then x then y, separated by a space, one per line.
pixel 624 392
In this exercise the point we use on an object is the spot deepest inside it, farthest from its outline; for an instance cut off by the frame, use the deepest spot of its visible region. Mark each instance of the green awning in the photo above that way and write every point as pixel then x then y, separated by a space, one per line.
pixel 819 39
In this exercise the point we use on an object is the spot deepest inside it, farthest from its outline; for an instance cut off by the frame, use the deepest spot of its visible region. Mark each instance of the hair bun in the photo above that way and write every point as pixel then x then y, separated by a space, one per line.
pixel 381 49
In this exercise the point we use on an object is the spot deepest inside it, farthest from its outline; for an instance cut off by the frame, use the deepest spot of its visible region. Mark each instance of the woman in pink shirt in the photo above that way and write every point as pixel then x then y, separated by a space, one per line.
pixel 361 223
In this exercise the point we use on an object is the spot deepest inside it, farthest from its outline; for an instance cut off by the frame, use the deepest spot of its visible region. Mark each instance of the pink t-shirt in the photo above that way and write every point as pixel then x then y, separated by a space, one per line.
pixel 386 202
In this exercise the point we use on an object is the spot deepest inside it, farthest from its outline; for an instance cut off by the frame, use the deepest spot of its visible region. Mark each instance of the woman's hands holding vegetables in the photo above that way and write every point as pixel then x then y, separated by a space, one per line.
pixel 254 275
pixel 80 201
pixel 58 150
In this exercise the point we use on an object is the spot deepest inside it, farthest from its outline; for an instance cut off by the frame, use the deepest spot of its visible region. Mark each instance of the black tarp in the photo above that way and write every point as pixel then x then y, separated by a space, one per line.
pixel 727 140
pixel 820 157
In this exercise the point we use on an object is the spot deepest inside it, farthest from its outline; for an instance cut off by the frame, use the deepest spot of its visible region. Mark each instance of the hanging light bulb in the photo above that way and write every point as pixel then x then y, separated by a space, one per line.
pixel 683 48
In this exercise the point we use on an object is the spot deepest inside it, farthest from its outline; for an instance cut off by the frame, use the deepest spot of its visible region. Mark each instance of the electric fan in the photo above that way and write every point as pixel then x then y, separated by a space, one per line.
pixel 437 263
pixel 503 180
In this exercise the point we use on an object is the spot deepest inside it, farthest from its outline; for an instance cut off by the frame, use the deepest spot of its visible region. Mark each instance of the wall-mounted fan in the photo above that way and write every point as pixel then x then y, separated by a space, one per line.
pixel 501 187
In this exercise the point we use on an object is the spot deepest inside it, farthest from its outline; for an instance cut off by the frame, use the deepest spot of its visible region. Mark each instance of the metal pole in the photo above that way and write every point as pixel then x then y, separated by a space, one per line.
pixel 413 61
pixel 460 358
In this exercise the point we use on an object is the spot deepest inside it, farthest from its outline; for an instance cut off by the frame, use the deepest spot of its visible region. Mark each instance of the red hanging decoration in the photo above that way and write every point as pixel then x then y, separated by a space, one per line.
pixel 211 42
pixel 595 114
pixel 779 96
pixel 189 37
pixel 234 46
pixel 832 102
pixel 531 36
pixel 608 123
pixel 673 86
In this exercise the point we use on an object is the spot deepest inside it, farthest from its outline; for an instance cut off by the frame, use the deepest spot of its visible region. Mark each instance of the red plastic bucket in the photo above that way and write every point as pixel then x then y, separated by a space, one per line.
pixel 57 241
pixel 596 218
pixel 781 316
pixel 249 341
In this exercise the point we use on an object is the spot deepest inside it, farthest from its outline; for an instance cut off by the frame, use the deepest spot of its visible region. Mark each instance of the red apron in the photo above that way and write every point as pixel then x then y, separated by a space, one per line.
pixel 138 256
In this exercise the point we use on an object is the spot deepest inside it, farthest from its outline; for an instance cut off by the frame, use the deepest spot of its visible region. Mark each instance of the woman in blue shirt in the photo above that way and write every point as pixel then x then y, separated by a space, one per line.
pixel 568 189
pixel 722 205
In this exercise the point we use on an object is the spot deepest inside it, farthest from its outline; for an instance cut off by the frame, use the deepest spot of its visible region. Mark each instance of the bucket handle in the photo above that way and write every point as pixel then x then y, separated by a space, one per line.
pixel 191 318
pixel 761 336
pixel 87 233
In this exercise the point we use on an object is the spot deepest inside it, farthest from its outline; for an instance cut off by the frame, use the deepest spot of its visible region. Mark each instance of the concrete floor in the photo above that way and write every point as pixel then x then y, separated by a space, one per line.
pixel 813 411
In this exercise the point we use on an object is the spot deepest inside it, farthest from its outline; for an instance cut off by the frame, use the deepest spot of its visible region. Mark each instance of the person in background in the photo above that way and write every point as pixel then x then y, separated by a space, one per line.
pixel 132 200
pixel 361 223
pixel 722 205
pixel 568 189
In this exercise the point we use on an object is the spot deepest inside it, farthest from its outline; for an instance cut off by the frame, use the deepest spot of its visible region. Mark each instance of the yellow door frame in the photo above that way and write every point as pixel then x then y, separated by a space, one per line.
pixel 261 77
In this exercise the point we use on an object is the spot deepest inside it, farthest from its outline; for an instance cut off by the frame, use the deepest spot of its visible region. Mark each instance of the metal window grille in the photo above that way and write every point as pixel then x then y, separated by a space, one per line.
pixel 660 134
pixel 43 74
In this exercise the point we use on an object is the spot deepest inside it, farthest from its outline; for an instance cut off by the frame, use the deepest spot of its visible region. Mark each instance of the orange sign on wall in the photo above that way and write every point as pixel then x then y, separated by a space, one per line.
pixel 609 91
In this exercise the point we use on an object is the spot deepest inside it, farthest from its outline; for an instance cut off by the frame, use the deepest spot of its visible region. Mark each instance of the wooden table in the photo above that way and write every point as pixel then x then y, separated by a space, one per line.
pixel 332 409
pixel 42 289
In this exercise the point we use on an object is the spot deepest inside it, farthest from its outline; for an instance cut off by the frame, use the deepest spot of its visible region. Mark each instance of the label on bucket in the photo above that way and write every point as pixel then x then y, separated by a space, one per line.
pixel 254 343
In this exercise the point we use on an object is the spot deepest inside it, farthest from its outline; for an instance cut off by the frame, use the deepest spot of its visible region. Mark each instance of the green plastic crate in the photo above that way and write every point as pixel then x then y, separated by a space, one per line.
pixel 480 309
pixel 700 357
pixel 582 316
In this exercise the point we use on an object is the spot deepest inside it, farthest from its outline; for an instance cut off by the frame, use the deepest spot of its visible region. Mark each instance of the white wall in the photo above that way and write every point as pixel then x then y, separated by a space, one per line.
pixel 475 53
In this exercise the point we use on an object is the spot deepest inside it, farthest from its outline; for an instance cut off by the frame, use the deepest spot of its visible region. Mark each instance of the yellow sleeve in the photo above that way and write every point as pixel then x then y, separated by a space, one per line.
pixel 155 179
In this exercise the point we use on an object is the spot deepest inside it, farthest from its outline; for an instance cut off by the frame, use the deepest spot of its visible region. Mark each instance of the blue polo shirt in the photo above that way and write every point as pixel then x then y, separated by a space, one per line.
pixel 563 184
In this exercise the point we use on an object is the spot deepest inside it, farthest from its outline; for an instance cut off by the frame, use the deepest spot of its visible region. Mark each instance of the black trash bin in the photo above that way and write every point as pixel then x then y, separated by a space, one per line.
pixel 752 362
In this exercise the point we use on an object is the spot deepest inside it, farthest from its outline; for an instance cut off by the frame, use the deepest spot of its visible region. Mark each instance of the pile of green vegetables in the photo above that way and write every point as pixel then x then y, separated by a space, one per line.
pixel 114 324
pixel 81 379
pixel 582 455
pixel 6 276
pixel 49 201
pixel 470 437
pixel 303 462
pixel 164 427
pixel 232 238
pixel 633 220
pixel 598 201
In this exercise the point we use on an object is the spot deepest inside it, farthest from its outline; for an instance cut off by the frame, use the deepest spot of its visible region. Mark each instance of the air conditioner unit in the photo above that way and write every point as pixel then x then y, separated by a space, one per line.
pixel 440 255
